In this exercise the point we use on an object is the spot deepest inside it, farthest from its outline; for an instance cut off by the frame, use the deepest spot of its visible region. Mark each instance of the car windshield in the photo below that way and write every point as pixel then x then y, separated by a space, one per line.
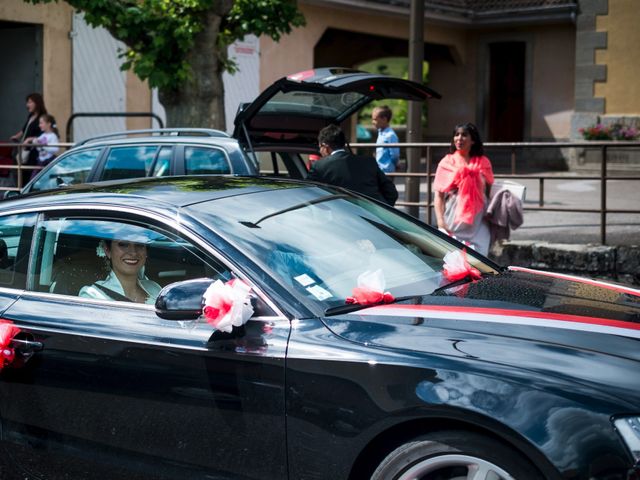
pixel 318 242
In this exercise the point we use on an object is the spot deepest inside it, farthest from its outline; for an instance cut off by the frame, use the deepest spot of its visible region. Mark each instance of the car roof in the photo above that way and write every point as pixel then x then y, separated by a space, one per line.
pixel 293 109
pixel 153 193
pixel 159 136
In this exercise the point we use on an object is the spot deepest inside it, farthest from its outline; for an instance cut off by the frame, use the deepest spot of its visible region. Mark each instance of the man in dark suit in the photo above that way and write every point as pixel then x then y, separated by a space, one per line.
pixel 343 169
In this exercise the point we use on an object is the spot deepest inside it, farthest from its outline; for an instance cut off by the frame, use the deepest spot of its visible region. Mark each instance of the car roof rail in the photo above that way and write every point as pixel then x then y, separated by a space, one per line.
pixel 192 132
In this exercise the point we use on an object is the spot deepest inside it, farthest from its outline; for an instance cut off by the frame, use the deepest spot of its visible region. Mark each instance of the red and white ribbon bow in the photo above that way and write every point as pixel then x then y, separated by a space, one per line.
pixel 456 267
pixel 7 331
pixel 370 289
pixel 227 305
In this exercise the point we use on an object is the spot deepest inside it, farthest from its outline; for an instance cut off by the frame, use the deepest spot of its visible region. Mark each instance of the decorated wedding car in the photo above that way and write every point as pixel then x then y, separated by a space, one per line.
pixel 252 328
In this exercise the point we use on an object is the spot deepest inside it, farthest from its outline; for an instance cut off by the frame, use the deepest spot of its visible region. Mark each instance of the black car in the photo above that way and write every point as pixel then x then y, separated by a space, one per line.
pixel 272 135
pixel 490 374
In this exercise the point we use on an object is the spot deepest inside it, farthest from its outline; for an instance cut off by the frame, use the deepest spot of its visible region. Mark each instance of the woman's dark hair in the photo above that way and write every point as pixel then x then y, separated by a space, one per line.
pixel 39 101
pixel 477 149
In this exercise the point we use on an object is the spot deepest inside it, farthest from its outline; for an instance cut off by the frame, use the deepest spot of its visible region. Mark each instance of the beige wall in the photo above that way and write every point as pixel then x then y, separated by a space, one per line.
pixel 56 51
pixel 138 100
pixel 621 90
pixel 552 82
pixel 294 52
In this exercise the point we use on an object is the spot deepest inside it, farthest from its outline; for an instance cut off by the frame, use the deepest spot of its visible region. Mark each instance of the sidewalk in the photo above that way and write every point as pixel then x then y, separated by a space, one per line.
pixel 570 242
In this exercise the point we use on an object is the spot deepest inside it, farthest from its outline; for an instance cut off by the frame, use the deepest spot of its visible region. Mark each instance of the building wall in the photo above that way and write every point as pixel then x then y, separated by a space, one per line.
pixel 463 84
pixel 294 52
pixel 621 89
pixel 552 82
pixel 56 51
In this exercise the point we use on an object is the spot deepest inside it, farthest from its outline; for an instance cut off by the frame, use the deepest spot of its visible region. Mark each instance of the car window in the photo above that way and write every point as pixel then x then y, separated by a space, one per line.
pixel 98 258
pixel 129 162
pixel 271 164
pixel 71 169
pixel 15 243
pixel 204 161
pixel 162 167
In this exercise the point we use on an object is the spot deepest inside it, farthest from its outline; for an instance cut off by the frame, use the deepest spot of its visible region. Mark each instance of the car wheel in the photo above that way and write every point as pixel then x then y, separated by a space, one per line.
pixel 455 455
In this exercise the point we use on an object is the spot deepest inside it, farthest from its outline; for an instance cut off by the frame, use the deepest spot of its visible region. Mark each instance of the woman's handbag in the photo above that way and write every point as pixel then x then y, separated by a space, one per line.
pixel 517 189
pixel 23 155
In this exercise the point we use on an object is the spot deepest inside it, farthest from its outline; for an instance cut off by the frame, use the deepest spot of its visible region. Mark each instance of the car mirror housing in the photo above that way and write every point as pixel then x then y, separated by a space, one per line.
pixel 10 194
pixel 182 300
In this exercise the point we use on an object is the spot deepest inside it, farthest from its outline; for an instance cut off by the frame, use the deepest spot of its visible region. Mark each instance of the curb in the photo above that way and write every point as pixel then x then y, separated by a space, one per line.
pixel 617 263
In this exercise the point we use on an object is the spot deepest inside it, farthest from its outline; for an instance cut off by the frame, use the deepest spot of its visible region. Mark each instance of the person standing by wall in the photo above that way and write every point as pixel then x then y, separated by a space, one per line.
pixel 31 128
pixel 343 169
pixel 387 157
pixel 462 184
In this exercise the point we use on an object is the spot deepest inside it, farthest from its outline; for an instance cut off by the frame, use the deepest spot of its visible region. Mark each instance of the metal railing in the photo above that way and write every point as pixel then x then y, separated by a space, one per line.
pixel 412 193
pixel 23 172
pixel 414 179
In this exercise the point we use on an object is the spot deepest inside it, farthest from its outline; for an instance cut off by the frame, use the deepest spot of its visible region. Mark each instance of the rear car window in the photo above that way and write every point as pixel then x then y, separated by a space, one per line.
pixel 162 167
pixel 205 161
pixel 129 162
pixel 70 169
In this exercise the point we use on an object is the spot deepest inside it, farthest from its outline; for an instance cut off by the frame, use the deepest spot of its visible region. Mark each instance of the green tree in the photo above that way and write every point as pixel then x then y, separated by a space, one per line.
pixel 180 46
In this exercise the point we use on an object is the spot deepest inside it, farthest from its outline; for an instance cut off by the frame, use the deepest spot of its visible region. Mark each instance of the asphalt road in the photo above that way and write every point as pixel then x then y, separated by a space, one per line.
pixel 574 228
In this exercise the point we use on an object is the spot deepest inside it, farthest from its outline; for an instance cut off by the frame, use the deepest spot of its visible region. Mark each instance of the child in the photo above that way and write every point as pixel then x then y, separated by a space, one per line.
pixel 47 124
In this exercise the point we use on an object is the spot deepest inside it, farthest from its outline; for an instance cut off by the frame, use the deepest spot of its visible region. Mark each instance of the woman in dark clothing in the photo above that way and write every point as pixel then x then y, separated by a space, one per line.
pixel 31 128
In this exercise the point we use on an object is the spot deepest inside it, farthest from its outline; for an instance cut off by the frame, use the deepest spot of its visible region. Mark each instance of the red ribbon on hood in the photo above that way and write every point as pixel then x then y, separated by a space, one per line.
pixel 456 267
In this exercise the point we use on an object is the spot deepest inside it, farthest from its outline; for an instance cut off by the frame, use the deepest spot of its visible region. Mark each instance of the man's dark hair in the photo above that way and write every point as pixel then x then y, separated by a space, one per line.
pixel 332 136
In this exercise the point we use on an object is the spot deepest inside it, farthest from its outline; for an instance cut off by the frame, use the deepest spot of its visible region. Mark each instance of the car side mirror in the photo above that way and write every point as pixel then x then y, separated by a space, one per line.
pixel 183 300
pixel 10 193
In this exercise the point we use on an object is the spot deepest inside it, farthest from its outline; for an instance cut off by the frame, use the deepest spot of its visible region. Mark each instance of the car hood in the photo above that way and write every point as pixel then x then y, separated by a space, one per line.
pixel 555 325
pixel 293 109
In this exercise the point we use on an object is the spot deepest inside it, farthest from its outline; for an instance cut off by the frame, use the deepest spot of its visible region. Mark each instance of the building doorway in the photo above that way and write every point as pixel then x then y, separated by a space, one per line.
pixel 506 91
pixel 21 58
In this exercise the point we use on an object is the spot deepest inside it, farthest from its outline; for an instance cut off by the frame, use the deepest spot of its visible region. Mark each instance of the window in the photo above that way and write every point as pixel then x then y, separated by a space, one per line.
pixel 15 244
pixel 129 162
pixel 205 161
pixel 97 258
pixel 271 164
pixel 73 168
pixel 162 167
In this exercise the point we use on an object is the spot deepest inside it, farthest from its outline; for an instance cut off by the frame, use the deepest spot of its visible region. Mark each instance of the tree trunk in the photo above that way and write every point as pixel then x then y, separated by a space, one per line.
pixel 199 102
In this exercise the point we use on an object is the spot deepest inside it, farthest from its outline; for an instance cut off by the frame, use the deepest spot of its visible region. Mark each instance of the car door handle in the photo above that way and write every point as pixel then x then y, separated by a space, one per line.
pixel 26 346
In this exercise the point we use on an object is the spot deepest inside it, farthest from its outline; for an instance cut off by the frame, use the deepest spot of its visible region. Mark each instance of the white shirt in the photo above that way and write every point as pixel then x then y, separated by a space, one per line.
pixel 151 288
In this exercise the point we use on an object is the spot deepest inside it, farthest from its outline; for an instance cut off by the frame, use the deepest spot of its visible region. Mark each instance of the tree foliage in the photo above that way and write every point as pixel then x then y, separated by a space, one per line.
pixel 159 34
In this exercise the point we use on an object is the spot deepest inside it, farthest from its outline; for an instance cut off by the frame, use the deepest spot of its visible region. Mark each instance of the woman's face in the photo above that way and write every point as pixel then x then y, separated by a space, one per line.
pixel 462 140
pixel 127 258
pixel 31 105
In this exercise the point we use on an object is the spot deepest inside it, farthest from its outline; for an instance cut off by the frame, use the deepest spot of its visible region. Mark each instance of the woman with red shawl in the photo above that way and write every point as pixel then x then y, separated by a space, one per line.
pixel 462 184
